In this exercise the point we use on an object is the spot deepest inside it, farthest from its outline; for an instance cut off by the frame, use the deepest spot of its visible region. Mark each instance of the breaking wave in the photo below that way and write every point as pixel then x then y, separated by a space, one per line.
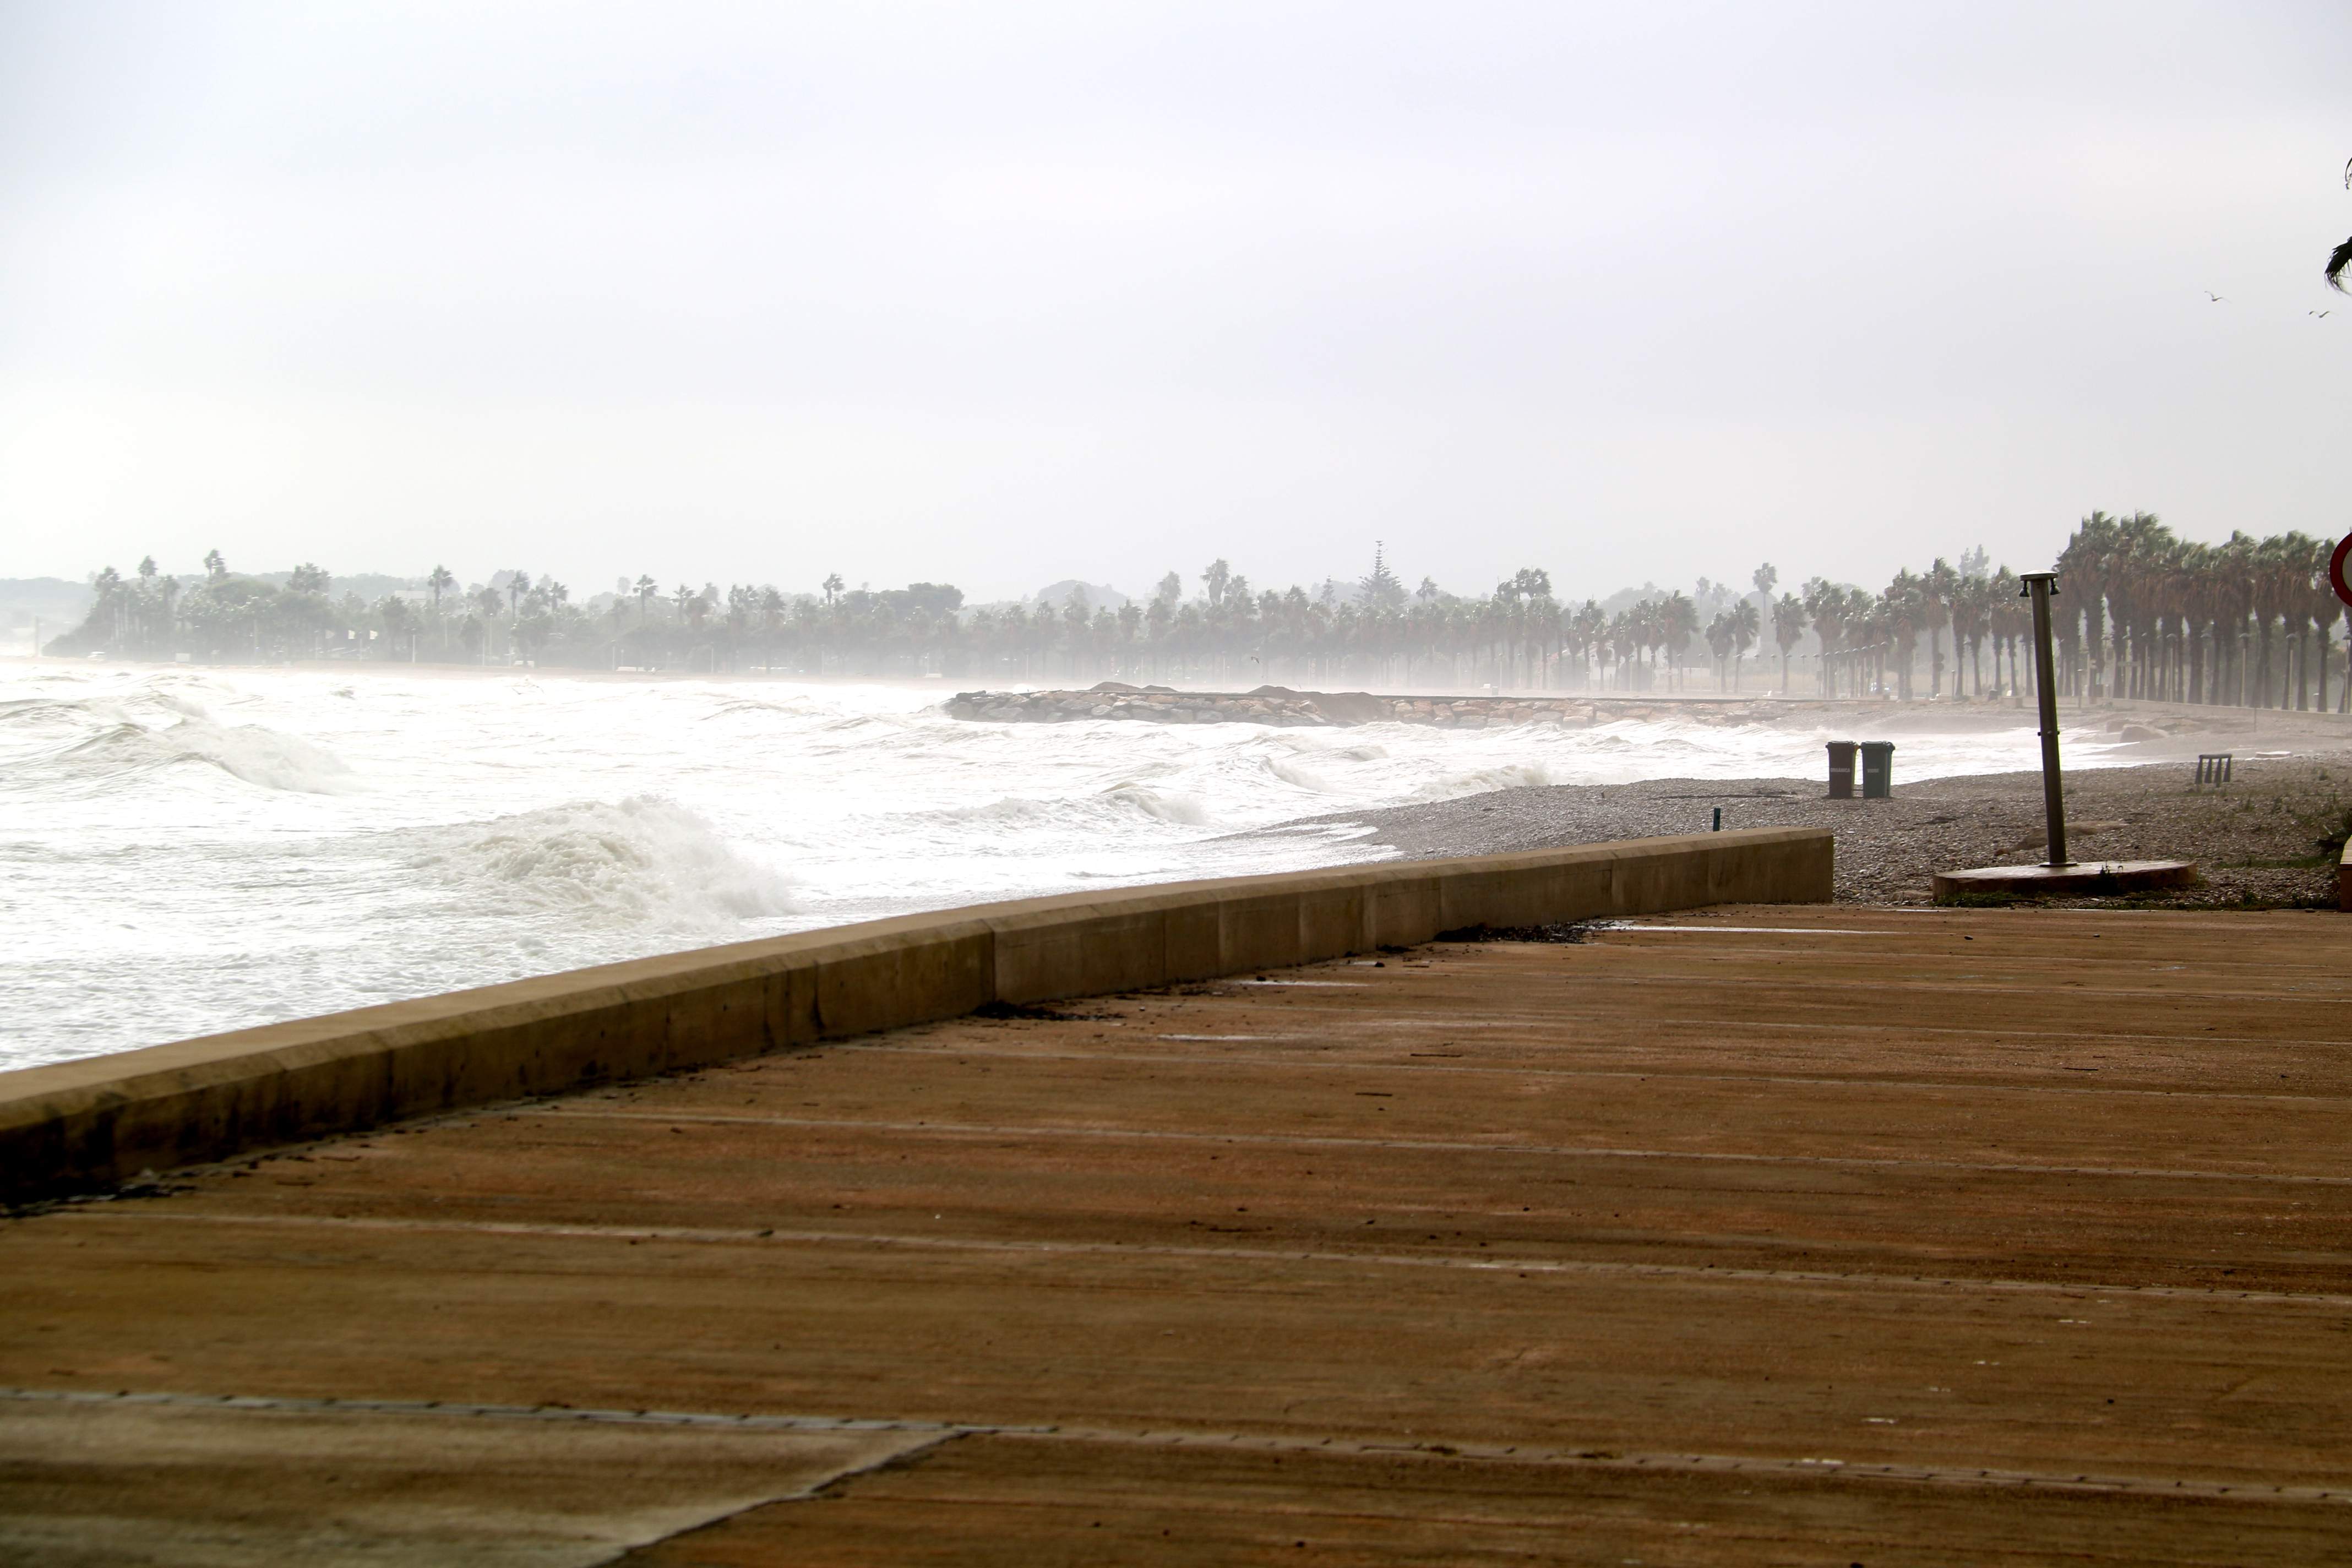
pixel 1119 804
pixel 645 862
pixel 1452 787
pixel 260 757
pixel 1166 806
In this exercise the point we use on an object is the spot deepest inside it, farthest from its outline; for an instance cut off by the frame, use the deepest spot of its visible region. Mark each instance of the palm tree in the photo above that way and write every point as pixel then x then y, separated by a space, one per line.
pixel 1869 629
pixel 1969 606
pixel 1788 628
pixel 1906 601
pixel 2241 555
pixel 398 625
pixel 1746 624
pixel 1718 642
pixel 2271 590
pixel 109 583
pixel 2006 619
pixel 171 590
pixel 1213 578
pixel 2320 610
pixel 645 589
pixel 2144 548
pixel 832 587
pixel 486 601
pixel 2086 565
pixel 1677 624
pixel 439 583
pixel 1824 604
pixel 1936 591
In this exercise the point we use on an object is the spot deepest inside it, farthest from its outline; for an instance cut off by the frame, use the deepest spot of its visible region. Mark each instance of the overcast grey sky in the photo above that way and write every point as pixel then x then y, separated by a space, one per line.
pixel 1001 293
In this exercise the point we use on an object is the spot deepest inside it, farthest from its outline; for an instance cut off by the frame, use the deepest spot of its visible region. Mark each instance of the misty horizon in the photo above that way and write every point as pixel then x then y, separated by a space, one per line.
pixel 999 297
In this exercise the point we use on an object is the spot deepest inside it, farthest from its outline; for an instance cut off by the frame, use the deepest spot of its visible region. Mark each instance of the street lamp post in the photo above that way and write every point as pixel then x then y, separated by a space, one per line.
pixel 2039 587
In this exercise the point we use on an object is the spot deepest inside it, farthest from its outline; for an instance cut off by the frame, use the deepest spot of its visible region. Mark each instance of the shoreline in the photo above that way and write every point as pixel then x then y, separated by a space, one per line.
pixel 2255 842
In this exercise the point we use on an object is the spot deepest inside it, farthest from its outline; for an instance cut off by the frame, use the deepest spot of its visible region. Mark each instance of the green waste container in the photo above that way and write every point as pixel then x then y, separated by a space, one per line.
pixel 1877 769
pixel 1840 770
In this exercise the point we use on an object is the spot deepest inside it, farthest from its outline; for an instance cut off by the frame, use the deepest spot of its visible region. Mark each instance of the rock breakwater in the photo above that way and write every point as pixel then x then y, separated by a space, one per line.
pixel 1278 705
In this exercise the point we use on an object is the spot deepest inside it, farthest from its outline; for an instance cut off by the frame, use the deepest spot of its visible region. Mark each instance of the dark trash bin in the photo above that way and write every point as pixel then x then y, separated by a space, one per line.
pixel 1840 770
pixel 1877 769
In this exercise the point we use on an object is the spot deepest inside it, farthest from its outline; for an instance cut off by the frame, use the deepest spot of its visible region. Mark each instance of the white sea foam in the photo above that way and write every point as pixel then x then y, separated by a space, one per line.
pixel 192 850
pixel 1160 805
pixel 643 862
pixel 96 745
pixel 256 754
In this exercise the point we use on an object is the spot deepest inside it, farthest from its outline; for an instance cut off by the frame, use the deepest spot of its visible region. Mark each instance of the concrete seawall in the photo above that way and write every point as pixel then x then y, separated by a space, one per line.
pixel 79 1126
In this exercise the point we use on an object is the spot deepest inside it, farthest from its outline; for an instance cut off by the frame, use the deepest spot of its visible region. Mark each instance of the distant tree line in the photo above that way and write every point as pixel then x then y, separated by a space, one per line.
pixel 2141 613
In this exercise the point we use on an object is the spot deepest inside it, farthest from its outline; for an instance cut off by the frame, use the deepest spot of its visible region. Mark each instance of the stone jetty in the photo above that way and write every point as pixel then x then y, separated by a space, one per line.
pixel 1280 705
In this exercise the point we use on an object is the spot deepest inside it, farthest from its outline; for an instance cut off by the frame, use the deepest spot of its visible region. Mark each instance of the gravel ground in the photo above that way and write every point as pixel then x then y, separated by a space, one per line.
pixel 2258 842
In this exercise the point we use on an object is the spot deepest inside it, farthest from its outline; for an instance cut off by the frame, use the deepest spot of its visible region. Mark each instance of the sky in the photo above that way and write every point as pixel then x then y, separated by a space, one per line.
pixel 1002 294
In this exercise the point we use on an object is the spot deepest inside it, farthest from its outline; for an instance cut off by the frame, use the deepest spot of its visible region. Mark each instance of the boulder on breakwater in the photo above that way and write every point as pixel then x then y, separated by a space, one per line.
pixel 1279 705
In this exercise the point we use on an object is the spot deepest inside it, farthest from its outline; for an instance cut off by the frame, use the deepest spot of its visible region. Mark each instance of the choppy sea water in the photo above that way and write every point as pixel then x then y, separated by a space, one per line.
pixel 184 852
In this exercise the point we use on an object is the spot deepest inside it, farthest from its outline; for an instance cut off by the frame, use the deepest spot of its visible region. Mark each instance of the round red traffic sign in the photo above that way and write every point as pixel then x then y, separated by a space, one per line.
pixel 2335 569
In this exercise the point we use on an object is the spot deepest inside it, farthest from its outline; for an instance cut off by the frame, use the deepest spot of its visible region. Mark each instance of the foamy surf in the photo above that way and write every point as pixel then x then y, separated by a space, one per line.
pixel 189 851
pixel 77 746
pixel 644 862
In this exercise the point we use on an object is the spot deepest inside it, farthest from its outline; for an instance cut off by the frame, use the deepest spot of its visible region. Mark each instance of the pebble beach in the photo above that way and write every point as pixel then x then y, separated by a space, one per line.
pixel 2268 839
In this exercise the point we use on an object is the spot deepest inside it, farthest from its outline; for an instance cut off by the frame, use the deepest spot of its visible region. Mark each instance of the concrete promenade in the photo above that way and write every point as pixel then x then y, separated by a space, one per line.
pixel 79 1126
pixel 1748 1235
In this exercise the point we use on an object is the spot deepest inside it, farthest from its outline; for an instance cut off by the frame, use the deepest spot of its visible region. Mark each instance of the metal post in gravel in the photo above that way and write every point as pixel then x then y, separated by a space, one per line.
pixel 2039 587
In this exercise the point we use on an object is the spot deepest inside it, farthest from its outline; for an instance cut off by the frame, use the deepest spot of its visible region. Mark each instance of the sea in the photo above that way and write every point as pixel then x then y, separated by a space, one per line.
pixel 185 851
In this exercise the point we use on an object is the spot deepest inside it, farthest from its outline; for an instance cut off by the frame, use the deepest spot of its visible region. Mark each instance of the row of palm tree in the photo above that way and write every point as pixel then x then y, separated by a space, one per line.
pixel 2249 621
pixel 2142 615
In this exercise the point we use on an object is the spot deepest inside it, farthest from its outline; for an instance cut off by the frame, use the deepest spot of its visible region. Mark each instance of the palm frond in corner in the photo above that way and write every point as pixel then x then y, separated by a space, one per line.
pixel 2336 266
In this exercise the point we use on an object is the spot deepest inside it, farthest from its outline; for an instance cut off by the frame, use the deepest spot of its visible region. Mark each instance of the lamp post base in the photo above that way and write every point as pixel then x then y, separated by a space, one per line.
pixel 2082 878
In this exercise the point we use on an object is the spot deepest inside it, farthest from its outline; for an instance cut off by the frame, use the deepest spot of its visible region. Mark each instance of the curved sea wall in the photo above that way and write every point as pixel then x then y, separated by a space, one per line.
pixel 1279 705
pixel 79 1126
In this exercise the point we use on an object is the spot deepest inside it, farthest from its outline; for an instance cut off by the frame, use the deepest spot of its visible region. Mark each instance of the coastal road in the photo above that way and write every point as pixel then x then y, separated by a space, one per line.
pixel 1751 1236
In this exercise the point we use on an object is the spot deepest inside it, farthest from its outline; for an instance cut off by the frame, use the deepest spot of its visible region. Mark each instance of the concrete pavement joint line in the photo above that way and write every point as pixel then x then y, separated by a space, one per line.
pixel 1440 1145
pixel 1328 1064
pixel 1742 930
pixel 2040 993
pixel 559 1412
pixel 1554 1022
pixel 1181 1437
pixel 1494 1264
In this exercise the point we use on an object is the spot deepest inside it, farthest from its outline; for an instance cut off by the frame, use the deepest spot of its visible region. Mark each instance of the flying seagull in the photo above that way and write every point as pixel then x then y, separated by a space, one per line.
pixel 2215 298
pixel 2323 315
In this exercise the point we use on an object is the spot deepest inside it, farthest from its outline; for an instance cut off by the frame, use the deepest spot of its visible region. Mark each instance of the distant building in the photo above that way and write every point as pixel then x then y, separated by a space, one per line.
pixel 1098 595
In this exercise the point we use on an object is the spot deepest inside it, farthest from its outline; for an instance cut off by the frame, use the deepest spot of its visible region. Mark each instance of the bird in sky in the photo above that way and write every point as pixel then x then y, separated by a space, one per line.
pixel 2215 298
pixel 2323 315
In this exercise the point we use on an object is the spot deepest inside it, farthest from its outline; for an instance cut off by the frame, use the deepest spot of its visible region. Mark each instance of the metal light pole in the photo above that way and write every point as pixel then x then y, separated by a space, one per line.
pixel 2039 587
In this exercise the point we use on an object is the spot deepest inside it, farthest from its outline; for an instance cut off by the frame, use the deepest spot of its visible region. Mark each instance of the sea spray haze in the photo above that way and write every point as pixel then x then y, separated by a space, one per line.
pixel 185 852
